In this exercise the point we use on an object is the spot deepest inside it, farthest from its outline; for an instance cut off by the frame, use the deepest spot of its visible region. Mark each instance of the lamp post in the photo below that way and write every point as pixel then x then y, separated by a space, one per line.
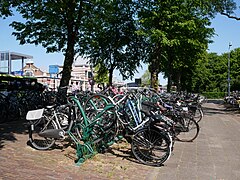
pixel 92 77
pixel 229 46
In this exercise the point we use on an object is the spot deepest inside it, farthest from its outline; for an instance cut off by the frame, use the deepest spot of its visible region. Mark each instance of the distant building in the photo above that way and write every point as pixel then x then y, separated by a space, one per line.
pixel 80 76
pixel 42 76
pixel 7 58
pixel 31 70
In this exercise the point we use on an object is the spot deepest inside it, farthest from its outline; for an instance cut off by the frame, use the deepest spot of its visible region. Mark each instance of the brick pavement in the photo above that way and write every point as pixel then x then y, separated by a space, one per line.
pixel 213 155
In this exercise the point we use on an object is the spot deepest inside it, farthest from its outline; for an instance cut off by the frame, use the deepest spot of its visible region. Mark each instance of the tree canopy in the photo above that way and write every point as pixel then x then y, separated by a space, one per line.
pixel 111 37
pixel 210 74
pixel 171 36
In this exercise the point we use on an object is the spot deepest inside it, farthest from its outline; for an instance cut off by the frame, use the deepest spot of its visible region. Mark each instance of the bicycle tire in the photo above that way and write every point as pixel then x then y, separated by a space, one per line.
pixel 198 115
pixel 3 113
pixel 38 142
pixel 106 126
pixel 95 104
pixel 151 147
pixel 3 109
pixel 187 132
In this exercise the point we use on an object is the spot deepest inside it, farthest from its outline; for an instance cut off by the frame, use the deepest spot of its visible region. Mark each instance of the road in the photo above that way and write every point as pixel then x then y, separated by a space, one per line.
pixel 215 154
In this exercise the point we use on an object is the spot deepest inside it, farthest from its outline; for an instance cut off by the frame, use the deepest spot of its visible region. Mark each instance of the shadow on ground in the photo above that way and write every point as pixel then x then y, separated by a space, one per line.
pixel 215 101
pixel 214 106
pixel 8 131
pixel 123 150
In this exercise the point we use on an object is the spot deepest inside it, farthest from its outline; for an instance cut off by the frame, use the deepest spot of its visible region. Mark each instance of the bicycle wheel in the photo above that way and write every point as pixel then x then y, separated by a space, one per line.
pixel 151 147
pixel 95 104
pixel 187 130
pixel 198 115
pixel 38 142
pixel 3 113
pixel 105 125
pixel 3 109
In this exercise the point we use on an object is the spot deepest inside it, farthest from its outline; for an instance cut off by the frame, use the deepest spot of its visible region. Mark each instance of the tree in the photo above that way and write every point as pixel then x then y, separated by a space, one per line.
pixel 111 38
pixel 102 74
pixel 56 25
pixel 200 79
pixel 146 81
pixel 178 32
pixel 234 69
pixel 210 73
pixel 119 34
pixel 226 8
pixel 205 76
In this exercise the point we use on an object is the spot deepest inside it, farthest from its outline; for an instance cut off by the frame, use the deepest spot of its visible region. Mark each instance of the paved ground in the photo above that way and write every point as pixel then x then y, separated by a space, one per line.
pixel 214 154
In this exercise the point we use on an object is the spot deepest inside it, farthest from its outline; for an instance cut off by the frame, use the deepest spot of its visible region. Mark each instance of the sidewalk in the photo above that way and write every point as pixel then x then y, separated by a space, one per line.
pixel 213 155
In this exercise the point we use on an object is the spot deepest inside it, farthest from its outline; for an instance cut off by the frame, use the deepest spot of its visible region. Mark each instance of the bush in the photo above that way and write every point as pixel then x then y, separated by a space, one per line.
pixel 214 95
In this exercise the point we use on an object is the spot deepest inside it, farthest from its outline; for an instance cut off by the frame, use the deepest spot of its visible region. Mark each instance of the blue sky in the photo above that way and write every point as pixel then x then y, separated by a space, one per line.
pixel 227 30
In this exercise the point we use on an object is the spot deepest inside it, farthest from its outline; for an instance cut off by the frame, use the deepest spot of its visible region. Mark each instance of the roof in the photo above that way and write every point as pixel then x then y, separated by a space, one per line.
pixel 17 56
pixel 132 84
pixel 9 77
pixel 81 61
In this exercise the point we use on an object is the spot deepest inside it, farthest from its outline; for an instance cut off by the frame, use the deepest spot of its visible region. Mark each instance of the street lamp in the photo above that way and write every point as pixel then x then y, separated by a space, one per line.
pixel 229 46
pixel 92 77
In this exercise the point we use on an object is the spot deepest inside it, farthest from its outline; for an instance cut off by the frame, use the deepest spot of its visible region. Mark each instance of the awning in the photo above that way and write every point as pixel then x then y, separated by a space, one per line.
pixel 9 57
pixel 14 56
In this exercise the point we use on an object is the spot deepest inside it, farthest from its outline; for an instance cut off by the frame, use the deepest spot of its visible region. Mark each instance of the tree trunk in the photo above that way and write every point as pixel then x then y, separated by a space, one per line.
pixel 169 75
pixel 110 78
pixel 154 80
pixel 68 61
pixel 169 85
pixel 67 67
pixel 154 66
pixel 178 81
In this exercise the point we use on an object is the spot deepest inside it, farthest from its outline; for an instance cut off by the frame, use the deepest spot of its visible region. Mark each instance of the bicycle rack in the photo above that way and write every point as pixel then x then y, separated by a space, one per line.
pixel 91 143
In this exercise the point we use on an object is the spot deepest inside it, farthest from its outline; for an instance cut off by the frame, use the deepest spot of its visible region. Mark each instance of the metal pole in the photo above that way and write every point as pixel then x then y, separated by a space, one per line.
pixel 92 84
pixel 9 63
pixel 22 66
pixel 230 44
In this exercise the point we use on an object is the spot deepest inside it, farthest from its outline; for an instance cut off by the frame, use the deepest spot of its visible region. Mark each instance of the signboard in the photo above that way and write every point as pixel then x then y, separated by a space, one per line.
pixel 53 69
pixel 17 73
pixel 138 81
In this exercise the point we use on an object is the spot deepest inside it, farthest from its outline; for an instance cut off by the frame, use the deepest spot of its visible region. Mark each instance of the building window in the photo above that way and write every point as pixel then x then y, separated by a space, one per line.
pixel 89 74
pixel 29 73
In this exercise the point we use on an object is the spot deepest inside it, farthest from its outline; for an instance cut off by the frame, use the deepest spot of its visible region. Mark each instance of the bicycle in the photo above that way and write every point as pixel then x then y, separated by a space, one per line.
pixel 149 145
pixel 97 133
pixel 46 125
pixel 181 126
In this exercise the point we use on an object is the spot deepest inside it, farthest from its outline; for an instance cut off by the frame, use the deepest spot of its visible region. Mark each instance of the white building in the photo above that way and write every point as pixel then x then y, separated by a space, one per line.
pixel 80 76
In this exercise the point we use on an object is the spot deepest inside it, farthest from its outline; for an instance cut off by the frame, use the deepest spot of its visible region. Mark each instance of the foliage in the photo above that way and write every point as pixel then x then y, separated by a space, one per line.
pixel 171 36
pixel 178 33
pixel 146 81
pixel 56 25
pixel 101 75
pixel 210 73
pixel 214 95
pixel 111 38
pixel 235 69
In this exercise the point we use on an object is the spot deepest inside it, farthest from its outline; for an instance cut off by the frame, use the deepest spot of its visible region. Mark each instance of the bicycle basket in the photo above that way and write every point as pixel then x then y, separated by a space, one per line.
pixel 34 114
